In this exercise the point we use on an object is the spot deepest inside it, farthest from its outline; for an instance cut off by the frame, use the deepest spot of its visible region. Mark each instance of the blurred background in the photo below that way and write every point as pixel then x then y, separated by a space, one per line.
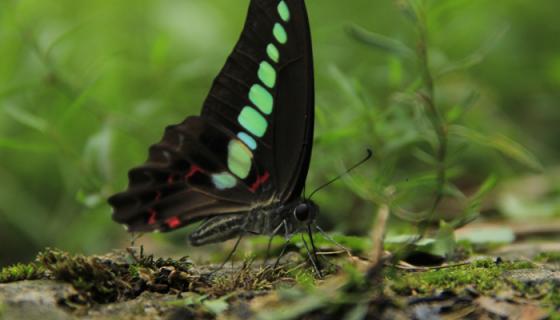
pixel 86 87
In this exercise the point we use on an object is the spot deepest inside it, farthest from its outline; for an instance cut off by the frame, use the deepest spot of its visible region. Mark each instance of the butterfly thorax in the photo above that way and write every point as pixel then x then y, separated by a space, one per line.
pixel 279 219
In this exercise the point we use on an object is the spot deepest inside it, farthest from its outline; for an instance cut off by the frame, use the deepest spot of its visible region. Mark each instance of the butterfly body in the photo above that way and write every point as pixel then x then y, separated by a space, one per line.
pixel 284 219
pixel 241 165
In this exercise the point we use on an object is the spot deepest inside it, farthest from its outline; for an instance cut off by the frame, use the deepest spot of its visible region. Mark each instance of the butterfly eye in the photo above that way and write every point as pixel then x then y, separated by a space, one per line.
pixel 301 212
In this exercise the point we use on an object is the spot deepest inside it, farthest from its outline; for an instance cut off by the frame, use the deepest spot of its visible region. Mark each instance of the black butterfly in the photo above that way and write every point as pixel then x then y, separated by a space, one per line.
pixel 241 165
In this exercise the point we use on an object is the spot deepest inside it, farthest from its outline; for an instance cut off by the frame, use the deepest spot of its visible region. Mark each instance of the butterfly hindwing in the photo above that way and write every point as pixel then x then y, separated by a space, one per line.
pixel 188 176
pixel 252 143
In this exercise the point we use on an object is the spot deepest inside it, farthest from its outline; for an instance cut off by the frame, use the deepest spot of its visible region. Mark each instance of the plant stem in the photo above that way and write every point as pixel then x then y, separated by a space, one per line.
pixel 428 98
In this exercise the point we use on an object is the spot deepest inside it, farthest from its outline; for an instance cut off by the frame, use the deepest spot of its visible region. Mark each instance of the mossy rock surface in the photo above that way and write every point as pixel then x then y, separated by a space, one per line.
pixel 121 286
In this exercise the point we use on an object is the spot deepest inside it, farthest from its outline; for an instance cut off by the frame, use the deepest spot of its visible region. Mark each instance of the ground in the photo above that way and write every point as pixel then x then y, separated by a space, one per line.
pixel 515 281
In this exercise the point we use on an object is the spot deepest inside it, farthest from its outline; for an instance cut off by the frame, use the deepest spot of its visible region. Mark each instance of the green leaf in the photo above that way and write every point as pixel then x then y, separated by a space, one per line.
pixel 189 299
pixel 380 42
pixel 358 312
pixel 404 239
pixel 472 210
pixel 354 243
pixel 395 67
pixel 500 143
pixel 97 151
pixel 487 235
pixel 408 10
pixel 444 245
pixel 296 309
pixel 347 86
pixel 452 190
pixel 26 118
pixel 477 56
pixel 515 206
pixel 457 111
pixel 14 144
pixel 75 107
pixel 424 156
pixel 89 200
pixel 216 306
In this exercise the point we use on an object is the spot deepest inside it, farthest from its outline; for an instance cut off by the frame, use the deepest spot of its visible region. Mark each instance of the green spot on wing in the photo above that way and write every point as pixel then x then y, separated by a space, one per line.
pixel 273 53
pixel 283 11
pixel 267 74
pixel 248 140
pixel 280 33
pixel 224 180
pixel 239 159
pixel 252 121
pixel 261 98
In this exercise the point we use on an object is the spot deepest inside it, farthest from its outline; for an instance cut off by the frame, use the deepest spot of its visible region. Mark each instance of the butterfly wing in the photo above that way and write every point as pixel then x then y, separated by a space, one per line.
pixel 266 91
pixel 252 143
pixel 187 178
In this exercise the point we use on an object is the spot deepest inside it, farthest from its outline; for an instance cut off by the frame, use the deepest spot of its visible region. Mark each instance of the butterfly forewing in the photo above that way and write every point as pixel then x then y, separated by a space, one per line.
pixel 266 90
pixel 252 143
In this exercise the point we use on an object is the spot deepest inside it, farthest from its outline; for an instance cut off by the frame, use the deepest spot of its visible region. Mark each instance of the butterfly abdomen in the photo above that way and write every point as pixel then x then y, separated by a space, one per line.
pixel 267 220
pixel 218 229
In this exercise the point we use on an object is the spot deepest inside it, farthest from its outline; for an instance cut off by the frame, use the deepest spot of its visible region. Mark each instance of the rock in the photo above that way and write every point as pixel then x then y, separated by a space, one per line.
pixel 35 299
pixel 533 276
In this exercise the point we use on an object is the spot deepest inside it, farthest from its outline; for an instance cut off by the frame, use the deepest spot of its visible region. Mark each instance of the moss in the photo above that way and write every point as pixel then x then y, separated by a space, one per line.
pixel 21 271
pixel 103 280
pixel 548 257
pixel 552 296
pixel 484 275
pixel 109 279
pixel 554 315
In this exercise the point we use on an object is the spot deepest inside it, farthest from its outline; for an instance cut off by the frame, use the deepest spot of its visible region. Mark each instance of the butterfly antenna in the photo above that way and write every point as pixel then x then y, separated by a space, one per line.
pixel 367 157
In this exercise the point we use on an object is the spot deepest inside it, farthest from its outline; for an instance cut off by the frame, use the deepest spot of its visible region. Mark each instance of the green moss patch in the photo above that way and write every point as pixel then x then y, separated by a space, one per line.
pixel 548 257
pixel 104 280
pixel 21 271
pixel 115 278
pixel 484 275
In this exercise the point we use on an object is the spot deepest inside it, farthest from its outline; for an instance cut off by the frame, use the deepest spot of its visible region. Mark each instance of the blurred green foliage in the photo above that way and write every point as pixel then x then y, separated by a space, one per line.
pixel 86 87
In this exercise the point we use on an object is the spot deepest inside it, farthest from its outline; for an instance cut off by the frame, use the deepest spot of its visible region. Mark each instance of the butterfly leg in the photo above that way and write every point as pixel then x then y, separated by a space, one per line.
pixel 312 257
pixel 274 232
pixel 230 255
pixel 287 237
pixel 324 234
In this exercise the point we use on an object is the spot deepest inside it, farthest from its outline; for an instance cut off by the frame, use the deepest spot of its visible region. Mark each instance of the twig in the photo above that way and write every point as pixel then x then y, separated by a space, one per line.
pixel 378 234
pixel 409 267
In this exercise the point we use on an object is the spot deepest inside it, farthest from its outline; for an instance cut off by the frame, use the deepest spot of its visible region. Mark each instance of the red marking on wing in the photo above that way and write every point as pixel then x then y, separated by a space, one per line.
pixel 158 196
pixel 152 219
pixel 194 169
pixel 173 222
pixel 170 179
pixel 260 180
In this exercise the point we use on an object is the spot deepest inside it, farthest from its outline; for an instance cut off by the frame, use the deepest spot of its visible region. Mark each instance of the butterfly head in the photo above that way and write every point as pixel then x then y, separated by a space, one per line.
pixel 305 212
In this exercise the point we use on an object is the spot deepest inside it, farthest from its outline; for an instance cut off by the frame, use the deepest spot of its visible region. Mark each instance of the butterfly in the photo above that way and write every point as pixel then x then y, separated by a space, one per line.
pixel 240 167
